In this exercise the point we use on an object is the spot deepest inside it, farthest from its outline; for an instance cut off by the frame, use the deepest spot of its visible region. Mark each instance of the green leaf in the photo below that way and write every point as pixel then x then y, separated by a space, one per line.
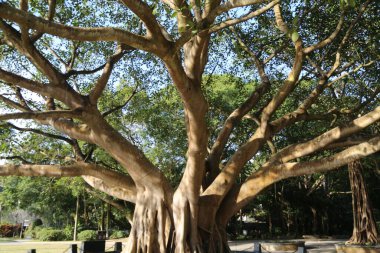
pixel 174 14
pixel 295 36
pixel 154 12
pixel 181 29
pixel 351 3
pixel 296 21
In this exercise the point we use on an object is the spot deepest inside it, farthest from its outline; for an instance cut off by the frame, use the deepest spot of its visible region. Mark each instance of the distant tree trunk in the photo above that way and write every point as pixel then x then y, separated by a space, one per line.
pixel 108 219
pixel 76 219
pixel 85 214
pixel 315 220
pixel 270 225
pixel 364 224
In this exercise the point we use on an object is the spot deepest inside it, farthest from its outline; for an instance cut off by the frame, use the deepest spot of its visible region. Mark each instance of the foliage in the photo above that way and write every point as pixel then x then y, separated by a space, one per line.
pixel 32 231
pixel 50 234
pixel 116 234
pixel 9 230
pixel 36 195
pixel 87 235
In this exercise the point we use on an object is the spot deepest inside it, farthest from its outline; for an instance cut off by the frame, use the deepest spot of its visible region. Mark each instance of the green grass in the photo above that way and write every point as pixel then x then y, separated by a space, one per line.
pixel 6 240
pixel 40 247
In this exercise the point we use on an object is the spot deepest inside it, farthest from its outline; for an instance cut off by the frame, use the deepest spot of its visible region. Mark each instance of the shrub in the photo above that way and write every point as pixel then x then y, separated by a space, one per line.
pixel 68 230
pixel 9 230
pixel 49 234
pixel 32 231
pixel 118 234
pixel 87 235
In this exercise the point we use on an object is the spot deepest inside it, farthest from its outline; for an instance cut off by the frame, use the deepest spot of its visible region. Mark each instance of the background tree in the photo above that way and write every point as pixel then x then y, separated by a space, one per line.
pixel 74 68
pixel 365 230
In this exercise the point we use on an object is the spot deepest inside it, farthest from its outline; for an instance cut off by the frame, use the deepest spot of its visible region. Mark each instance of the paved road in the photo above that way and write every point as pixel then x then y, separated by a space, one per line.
pixel 312 246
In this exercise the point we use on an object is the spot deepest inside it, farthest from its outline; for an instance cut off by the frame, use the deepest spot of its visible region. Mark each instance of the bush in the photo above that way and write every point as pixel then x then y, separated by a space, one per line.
pixel 49 234
pixel 69 232
pixel 87 235
pixel 9 230
pixel 118 234
pixel 32 231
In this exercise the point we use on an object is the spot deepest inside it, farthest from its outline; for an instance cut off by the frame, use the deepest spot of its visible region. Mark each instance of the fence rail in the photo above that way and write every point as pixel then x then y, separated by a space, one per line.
pixel 88 247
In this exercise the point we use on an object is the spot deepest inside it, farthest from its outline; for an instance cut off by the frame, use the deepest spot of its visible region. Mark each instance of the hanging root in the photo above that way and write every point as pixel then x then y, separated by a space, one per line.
pixel 185 215
pixel 150 225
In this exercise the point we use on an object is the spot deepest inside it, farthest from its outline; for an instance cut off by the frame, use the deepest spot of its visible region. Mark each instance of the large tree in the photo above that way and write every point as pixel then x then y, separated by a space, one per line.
pixel 64 65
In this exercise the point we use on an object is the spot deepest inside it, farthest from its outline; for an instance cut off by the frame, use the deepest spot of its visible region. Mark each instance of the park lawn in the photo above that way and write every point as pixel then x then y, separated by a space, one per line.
pixel 6 240
pixel 43 247
pixel 40 248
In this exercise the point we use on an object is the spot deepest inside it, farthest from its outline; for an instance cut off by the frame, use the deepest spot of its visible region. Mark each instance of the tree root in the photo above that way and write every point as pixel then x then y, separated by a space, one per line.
pixel 151 220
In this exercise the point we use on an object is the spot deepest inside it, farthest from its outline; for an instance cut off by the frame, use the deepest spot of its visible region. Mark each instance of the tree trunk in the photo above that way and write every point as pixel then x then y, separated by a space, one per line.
pixel 364 224
pixel 315 220
pixel 76 219
pixel 151 228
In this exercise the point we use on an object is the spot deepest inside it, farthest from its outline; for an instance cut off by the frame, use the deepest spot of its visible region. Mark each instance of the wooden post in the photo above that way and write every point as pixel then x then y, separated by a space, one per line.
pixel 31 251
pixel 73 248
pixel 118 247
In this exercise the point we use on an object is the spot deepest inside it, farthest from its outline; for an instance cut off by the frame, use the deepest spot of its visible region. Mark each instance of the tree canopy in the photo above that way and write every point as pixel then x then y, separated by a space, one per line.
pixel 188 109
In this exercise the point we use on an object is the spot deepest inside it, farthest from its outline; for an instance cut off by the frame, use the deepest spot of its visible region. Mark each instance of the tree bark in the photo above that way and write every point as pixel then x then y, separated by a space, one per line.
pixel 76 219
pixel 365 230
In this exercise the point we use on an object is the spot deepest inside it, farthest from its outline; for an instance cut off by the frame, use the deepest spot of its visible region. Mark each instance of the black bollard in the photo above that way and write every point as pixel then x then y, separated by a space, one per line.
pixel 31 251
pixel 73 248
pixel 118 247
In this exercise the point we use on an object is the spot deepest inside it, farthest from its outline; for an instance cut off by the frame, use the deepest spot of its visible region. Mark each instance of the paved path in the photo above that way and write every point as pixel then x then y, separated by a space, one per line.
pixel 312 246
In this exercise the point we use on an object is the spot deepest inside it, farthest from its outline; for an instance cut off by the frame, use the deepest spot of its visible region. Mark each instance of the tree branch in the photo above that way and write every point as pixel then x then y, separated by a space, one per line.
pixel 300 150
pixel 134 92
pixel 14 104
pixel 117 192
pixel 231 22
pixel 266 176
pixel 37 131
pixel 64 94
pixel 43 115
pixel 117 180
pixel 77 33
pixel 97 91
pixel 329 39
pixel 231 4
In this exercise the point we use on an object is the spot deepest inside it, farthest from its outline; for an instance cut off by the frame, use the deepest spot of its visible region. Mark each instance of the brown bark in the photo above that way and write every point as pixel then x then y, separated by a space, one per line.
pixel 186 219
pixel 365 230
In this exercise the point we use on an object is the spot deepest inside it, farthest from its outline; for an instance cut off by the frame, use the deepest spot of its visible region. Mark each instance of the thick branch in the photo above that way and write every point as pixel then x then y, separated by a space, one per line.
pixel 264 177
pixel 63 94
pixel 299 150
pixel 42 115
pixel 97 91
pixel 117 180
pixel 25 47
pixel 77 33
pixel 117 192
pixel 145 13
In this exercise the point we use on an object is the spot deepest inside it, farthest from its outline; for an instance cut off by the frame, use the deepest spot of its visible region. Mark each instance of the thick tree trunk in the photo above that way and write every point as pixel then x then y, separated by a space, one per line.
pixel 364 224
